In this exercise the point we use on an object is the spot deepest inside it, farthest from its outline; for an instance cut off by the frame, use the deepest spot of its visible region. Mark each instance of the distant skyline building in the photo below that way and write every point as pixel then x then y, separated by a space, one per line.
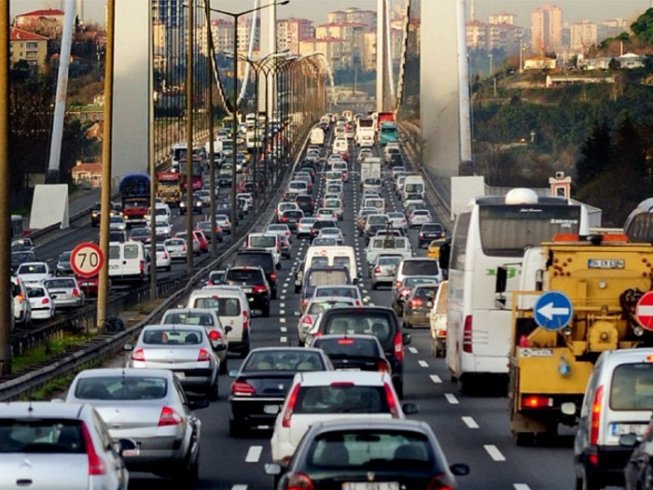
pixel 546 29
pixel 583 35
pixel 291 31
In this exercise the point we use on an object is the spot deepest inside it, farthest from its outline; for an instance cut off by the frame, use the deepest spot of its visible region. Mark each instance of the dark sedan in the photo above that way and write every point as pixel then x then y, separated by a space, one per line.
pixel 368 454
pixel 260 386
pixel 353 352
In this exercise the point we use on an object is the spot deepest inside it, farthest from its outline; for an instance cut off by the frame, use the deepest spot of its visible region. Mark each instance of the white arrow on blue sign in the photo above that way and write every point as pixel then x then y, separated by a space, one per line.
pixel 553 310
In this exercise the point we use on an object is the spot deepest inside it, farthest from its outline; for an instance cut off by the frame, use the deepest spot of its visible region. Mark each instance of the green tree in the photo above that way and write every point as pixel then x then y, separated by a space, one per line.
pixel 643 27
pixel 596 154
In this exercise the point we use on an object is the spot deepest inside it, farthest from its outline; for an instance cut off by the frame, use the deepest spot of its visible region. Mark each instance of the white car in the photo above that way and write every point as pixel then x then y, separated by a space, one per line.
pixel 41 302
pixel 163 229
pixel 33 272
pixel 304 227
pixel 398 220
pixel 332 233
pixel 279 229
pixel 117 223
pixel 223 221
pixel 315 307
pixel 419 217
pixel 329 395
pixel 336 206
pixel 176 248
pixel 163 258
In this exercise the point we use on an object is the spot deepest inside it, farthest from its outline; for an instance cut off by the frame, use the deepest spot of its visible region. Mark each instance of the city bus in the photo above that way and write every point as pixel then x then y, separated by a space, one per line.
pixel 198 168
pixel 493 232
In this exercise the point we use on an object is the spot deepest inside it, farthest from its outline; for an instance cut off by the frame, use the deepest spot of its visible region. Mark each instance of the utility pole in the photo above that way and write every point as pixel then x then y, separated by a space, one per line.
pixel 189 137
pixel 6 320
pixel 154 292
pixel 209 40
pixel 105 194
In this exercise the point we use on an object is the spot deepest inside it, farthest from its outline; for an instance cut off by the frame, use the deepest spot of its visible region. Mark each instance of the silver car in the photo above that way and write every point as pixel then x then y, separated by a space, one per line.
pixel 222 220
pixel 384 269
pixel 207 318
pixel 176 248
pixel 59 445
pixel 148 407
pixel 184 349
pixel 65 292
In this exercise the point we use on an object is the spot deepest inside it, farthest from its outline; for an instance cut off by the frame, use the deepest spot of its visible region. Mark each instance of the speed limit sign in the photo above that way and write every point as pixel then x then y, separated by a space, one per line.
pixel 86 259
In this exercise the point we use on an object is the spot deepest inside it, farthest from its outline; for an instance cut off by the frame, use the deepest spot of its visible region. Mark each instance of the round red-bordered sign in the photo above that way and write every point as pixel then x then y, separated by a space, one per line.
pixel 86 260
pixel 644 311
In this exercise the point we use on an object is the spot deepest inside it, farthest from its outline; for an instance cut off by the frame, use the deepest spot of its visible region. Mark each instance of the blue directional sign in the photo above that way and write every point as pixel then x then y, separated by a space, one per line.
pixel 553 310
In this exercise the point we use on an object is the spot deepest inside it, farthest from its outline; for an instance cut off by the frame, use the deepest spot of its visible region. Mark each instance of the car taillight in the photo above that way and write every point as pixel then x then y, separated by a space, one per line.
pixel 436 483
pixel 307 320
pixel 20 298
pixel 214 335
pixel 467 335
pixel 183 248
pixel 595 417
pixel 290 407
pixel 203 355
pixel 45 301
pixel 284 219
pixel 404 291
pixel 383 366
pixel 535 401
pixel 242 388
pixel 399 346
pixel 415 303
pixel 300 481
pixel 260 288
pixel 377 269
pixel 273 276
pixel 96 465
pixel 391 401
pixel 397 284
pixel 75 292
pixel 142 265
pixel 245 320
pixel 169 417
pixel 138 355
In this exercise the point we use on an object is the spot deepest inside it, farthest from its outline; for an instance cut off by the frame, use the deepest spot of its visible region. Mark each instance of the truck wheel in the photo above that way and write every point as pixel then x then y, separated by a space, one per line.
pixel 523 439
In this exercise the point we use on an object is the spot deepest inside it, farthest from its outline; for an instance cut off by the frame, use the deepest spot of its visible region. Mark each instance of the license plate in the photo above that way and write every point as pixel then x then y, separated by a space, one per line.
pixel 271 409
pixel 623 429
pixel 180 375
pixel 131 452
pixel 247 290
pixel 391 485
pixel 113 267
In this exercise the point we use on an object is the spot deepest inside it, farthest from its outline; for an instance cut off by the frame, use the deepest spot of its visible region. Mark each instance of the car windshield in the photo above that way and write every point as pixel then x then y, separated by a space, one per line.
pixel 42 436
pixel 319 278
pixel 340 291
pixel 244 276
pixel 225 306
pixel 377 220
pixel 632 387
pixel 262 241
pixel 129 388
pixel 318 307
pixel 348 346
pixel 263 260
pixel 372 450
pixel 409 282
pixel 421 267
pixel 364 323
pixel 295 360
pixel 60 283
pixel 188 318
pixel 389 260
pixel 32 269
pixel 175 336
pixel 341 399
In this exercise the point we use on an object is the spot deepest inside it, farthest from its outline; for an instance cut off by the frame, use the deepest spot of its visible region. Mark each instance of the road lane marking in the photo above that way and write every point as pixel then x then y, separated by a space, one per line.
pixel 297 313
pixel 284 291
pixel 470 422
pixel 521 486
pixel 254 454
pixel 282 297
pixel 423 363
pixel 494 452
pixel 451 398
pixel 239 487
pixel 282 320
pixel 435 378
pixel 412 350
pixel 283 340
pixel 282 305
pixel 282 312
pixel 283 329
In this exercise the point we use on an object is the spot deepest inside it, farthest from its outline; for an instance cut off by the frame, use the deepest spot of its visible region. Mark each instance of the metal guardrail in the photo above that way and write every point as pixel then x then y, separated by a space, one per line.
pixel 104 347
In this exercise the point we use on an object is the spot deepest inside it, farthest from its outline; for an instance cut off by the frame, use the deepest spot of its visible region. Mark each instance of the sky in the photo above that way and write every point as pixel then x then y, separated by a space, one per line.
pixel 316 10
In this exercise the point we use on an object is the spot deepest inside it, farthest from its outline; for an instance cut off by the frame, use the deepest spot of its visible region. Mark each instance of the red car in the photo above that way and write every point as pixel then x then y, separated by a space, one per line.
pixel 201 238
pixel 90 285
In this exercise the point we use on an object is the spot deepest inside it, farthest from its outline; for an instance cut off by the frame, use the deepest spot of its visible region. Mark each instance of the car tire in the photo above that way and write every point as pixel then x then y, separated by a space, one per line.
pixel 187 476
pixel 266 311
pixel 224 369
pixel 375 286
pixel 399 388
pixel 407 324
pixel 213 392
pixel 169 268
pixel 274 293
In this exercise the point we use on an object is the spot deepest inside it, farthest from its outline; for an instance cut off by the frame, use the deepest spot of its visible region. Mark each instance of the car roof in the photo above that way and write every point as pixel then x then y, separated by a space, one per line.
pixel 324 299
pixel 183 326
pixel 325 378
pixel 356 336
pixel 126 372
pixel 41 410
pixel 334 425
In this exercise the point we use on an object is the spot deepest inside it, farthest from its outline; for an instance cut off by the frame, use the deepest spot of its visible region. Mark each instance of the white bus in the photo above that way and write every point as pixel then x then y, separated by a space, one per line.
pixel 493 232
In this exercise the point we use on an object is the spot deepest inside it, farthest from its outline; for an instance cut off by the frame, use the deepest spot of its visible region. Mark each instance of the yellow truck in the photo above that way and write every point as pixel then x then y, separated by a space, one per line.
pixel 577 298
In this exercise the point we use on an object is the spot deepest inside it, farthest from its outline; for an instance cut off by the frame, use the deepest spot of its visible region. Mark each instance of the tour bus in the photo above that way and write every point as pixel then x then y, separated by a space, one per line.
pixel 493 232
pixel 365 131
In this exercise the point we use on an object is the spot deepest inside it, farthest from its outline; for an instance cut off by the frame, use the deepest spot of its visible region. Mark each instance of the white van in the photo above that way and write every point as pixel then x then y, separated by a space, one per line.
pixel 267 241
pixel 317 136
pixel 618 402
pixel 332 256
pixel 162 213
pixel 387 245
pixel 128 261
pixel 230 303
pixel 413 184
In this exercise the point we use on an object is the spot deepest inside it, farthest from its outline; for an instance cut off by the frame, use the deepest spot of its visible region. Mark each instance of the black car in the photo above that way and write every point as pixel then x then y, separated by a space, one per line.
pixel 198 205
pixel 264 259
pixel 306 203
pixel 367 454
pixel 96 212
pixel 254 285
pixel 19 257
pixel 429 232
pixel 291 218
pixel 353 352
pixel 262 383
pixel 141 234
pixel 379 321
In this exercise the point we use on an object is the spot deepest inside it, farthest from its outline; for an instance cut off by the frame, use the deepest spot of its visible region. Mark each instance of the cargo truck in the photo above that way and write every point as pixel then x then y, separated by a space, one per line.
pixel 168 187
pixel 135 195
pixel 577 298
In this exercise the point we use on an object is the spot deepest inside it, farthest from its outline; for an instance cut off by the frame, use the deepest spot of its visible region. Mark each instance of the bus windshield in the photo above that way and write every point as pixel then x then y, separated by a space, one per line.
pixel 507 230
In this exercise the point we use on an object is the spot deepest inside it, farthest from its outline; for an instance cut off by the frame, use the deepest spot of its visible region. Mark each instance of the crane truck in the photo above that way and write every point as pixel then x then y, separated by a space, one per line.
pixel 555 345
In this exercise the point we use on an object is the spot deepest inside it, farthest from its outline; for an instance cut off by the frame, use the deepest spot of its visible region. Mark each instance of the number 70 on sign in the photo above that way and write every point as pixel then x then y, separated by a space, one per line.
pixel 86 259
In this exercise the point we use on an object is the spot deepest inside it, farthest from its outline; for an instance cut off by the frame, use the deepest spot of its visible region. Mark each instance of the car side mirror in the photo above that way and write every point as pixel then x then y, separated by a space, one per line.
pixel 406 338
pixel 228 329
pixel 198 403
pixel 128 347
pixel 459 469
pixel 126 447
pixel 220 348
pixel 409 408
pixel 233 373
pixel 355 281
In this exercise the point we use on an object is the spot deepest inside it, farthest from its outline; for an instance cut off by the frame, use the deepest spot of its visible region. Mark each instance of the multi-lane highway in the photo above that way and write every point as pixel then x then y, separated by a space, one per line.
pixel 471 429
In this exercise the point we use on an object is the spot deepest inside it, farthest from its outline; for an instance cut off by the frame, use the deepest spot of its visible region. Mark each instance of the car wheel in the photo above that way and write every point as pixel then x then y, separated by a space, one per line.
pixel 407 324
pixel 374 286
pixel 266 311
pixel 399 388
pixel 188 475
pixel 223 366
pixel 169 268
pixel 274 293
pixel 213 392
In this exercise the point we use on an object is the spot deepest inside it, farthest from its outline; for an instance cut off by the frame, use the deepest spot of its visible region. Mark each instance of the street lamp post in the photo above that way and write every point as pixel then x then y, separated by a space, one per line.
pixel 236 16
